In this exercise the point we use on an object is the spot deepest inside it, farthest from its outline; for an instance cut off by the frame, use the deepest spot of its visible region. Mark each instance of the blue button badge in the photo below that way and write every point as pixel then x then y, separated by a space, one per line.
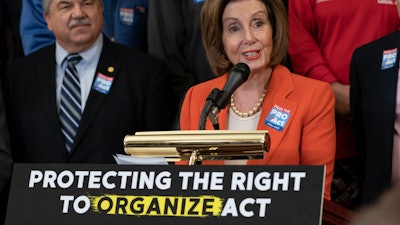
pixel 277 118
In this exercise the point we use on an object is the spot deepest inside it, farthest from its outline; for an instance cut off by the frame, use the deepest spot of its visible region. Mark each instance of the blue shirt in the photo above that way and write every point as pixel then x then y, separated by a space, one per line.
pixel 125 22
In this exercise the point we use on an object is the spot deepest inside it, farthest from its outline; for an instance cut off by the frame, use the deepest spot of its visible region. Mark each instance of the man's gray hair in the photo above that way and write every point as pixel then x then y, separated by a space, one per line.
pixel 46 5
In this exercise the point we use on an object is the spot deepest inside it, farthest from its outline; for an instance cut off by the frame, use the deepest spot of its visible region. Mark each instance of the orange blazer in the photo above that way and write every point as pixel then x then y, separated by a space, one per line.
pixel 298 113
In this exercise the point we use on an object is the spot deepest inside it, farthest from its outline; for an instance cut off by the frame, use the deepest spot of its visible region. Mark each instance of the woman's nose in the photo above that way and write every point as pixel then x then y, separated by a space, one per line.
pixel 249 35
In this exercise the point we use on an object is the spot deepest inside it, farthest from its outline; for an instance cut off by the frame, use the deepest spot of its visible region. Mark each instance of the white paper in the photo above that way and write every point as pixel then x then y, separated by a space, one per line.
pixel 132 160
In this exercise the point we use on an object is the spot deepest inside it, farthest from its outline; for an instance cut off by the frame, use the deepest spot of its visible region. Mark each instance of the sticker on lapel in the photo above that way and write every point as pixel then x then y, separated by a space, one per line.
pixel 126 16
pixel 198 1
pixel 389 58
pixel 277 118
pixel 103 83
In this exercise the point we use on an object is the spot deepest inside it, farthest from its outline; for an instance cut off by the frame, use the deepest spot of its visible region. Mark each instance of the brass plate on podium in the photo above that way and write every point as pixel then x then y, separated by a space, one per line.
pixel 198 145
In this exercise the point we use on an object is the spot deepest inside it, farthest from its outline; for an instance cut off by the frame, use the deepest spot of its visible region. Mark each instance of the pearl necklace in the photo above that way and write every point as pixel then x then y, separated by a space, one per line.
pixel 253 111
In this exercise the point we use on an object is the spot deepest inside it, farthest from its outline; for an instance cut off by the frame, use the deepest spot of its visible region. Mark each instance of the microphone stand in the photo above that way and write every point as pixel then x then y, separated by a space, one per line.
pixel 219 104
pixel 213 116
pixel 208 110
pixel 218 99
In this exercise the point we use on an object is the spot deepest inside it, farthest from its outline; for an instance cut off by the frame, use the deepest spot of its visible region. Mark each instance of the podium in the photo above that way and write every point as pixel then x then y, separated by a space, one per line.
pixel 335 214
pixel 258 141
pixel 174 194
pixel 65 194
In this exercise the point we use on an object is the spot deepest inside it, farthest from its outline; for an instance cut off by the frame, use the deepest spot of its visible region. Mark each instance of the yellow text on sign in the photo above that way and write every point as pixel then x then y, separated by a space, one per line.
pixel 192 206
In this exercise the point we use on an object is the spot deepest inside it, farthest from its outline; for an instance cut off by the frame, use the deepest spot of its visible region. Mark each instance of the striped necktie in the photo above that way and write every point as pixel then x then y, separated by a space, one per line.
pixel 70 101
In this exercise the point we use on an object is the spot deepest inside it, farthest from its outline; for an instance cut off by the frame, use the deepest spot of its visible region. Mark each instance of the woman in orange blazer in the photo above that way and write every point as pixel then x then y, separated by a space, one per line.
pixel 298 112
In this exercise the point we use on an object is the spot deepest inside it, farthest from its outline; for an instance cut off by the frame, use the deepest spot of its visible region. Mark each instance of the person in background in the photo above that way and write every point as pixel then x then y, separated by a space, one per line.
pixel 375 108
pixel 174 36
pixel 125 23
pixel 255 32
pixel 323 36
pixel 11 50
pixel 385 211
pixel 6 161
pixel 74 101
pixel 10 40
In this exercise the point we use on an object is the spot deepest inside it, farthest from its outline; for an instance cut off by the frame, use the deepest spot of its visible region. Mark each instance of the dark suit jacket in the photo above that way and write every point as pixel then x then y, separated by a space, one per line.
pixel 372 102
pixel 139 100
pixel 5 160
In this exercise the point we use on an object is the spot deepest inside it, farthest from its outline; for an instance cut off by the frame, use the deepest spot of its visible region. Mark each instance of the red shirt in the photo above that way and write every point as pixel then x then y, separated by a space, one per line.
pixel 324 33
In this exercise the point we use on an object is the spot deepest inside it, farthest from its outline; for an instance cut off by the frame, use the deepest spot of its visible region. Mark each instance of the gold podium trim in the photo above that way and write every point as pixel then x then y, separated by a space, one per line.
pixel 197 145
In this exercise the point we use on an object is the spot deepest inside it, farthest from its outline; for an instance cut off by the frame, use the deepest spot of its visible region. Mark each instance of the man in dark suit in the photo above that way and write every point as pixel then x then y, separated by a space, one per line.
pixel 375 109
pixel 174 36
pixel 121 91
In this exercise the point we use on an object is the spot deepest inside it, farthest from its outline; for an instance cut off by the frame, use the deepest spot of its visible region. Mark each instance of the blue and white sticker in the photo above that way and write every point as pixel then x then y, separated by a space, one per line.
pixel 126 16
pixel 389 58
pixel 277 118
pixel 103 83
pixel 198 1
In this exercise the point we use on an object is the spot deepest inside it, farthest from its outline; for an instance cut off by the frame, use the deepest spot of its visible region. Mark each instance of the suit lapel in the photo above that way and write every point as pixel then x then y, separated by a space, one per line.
pixel 107 70
pixel 280 86
pixel 388 83
pixel 278 112
pixel 46 72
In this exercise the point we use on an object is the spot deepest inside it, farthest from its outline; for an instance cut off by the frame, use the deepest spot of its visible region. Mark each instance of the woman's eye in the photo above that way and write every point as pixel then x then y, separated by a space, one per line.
pixel 233 29
pixel 258 24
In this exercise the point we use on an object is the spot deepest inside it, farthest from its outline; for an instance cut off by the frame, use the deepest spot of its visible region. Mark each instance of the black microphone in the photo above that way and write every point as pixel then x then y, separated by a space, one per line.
pixel 218 99
pixel 238 75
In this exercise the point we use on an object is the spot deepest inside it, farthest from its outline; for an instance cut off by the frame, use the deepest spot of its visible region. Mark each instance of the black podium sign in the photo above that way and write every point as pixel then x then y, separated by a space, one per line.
pixel 120 194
